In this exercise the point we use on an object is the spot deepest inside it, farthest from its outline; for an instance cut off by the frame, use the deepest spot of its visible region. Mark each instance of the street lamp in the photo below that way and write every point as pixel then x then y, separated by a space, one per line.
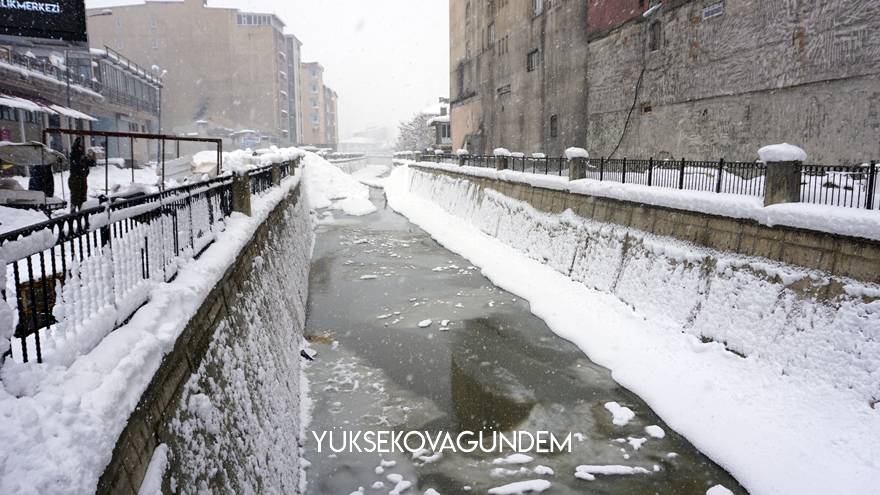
pixel 161 73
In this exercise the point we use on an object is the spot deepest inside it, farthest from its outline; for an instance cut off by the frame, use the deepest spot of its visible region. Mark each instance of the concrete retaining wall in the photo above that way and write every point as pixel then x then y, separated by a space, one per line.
pixel 711 277
pixel 834 254
pixel 226 399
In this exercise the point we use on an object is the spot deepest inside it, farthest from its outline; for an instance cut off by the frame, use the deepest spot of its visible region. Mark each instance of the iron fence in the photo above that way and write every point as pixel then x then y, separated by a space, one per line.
pixel 261 179
pixel 85 273
pixel 845 186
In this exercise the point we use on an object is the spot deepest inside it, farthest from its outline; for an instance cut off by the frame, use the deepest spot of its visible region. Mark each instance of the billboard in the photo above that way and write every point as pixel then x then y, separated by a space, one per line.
pixel 54 19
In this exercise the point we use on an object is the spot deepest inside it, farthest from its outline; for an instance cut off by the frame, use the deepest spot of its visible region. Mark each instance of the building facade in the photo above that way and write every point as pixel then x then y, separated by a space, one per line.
pixel 55 85
pixel 516 74
pixel 224 69
pixel 319 104
pixel 671 78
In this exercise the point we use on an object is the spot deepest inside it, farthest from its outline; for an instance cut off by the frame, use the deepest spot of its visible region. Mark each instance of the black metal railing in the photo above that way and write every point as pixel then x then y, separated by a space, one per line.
pixel 87 272
pixel 261 179
pixel 847 186
pixel 844 186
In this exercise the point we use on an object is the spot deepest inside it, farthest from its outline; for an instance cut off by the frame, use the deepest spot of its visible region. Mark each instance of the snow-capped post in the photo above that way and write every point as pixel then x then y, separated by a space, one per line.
pixel 241 192
pixel 462 156
pixel 782 180
pixel 502 157
pixel 577 163
pixel 417 157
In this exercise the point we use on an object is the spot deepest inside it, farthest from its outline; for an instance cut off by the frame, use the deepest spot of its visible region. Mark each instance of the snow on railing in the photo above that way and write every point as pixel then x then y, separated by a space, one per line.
pixel 853 186
pixel 71 280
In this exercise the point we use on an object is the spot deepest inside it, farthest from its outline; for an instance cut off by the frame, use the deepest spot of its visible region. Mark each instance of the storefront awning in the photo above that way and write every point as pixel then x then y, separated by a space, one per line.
pixel 32 106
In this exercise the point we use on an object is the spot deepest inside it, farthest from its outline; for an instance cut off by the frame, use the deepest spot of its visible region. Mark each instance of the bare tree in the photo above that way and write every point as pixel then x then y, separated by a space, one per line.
pixel 416 134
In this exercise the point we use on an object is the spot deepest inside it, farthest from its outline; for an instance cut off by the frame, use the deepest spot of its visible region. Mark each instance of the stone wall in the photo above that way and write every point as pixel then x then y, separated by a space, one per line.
pixel 805 71
pixel 684 272
pixel 226 398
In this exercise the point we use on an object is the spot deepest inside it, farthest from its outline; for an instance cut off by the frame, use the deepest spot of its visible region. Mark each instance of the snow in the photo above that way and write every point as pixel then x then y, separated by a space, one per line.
pixel 425 323
pixel 782 153
pixel 152 483
pixel 518 154
pixel 501 152
pixel 539 155
pixel 84 406
pixel 440 119
pixel 655 431
pixel 798 403
pixel 718 490
pixel 462 152
pixel 527 486
pixel 330 187
pixel 836 220
pixel 17 218
pixel 587 472
pixel 572 153
pixel 620 415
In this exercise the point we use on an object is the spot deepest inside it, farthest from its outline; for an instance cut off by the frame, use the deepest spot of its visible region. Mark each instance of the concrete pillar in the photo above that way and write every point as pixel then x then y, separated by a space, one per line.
pixel 276 174
pixel 782 183
pixel 501 162
pixel 417 157
pixel 241 193
pixel 577 168
pixel 461 159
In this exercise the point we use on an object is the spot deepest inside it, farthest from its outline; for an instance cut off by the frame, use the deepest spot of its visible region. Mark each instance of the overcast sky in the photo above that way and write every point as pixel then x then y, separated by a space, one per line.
pixel 387 59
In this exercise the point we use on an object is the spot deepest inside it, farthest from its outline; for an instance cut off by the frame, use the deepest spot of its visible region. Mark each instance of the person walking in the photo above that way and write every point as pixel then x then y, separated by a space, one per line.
pixel 79 175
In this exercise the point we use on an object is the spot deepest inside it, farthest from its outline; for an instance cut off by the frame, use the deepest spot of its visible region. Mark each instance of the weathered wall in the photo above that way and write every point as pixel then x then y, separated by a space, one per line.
pixel 799 321
pixel 226 399
pixel 491 80
pixel 802 71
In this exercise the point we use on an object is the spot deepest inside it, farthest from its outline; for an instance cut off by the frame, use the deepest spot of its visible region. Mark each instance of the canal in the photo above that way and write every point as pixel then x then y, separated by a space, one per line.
pixel 407 335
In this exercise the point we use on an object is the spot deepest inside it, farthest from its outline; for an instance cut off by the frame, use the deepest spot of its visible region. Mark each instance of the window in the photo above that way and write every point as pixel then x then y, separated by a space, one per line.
pixel 490 35
pixel 7 113
pixel 444 131
pixel 503 90
pixel 654 37
pixel 533 60
pixel 31 117
pixel 538 6
pixel 315 119
pixel 554 126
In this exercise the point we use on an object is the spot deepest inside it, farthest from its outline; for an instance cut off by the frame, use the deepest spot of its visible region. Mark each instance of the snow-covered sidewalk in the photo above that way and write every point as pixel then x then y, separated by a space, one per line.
pixel 774 433
pixel 60 423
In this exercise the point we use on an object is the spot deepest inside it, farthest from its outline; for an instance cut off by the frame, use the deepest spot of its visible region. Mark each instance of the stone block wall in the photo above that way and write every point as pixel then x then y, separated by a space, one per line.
pixel 226 399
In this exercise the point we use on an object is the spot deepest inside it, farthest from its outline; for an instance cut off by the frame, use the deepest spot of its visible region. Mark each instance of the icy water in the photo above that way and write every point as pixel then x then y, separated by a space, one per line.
pixel 493 365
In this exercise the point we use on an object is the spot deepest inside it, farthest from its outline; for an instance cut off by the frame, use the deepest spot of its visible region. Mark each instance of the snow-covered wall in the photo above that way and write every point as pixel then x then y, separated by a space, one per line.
pixel 231 388
pixel 800 321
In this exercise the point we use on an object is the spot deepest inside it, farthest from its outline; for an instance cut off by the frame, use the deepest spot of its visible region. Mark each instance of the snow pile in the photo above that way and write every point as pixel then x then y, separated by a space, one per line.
pixel 462 152
pixel 540 156
pixel 520 487
pixel 572 153
pixel 152 484
pixel 587 472
pixel 61 422
pixel 16 218
pixel 330 187
pixel 734 353
pixel 518 154
pixel 501 152
pixel 620 415
pixel 782 153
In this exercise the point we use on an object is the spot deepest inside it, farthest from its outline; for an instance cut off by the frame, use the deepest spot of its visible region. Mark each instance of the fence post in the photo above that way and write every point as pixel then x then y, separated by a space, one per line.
pixel 720 174
pixel 681 174
pixel 601 169
pixel 782 182
pixel 650 171
pixel 241 193
pixel 276 174
pixel 623 177
pixel 872 186
pixel 501 162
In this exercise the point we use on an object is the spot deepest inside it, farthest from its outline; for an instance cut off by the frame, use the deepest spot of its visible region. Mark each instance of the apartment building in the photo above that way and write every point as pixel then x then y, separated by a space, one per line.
pixel 666 78
pixel 319 104
pixel 223 69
